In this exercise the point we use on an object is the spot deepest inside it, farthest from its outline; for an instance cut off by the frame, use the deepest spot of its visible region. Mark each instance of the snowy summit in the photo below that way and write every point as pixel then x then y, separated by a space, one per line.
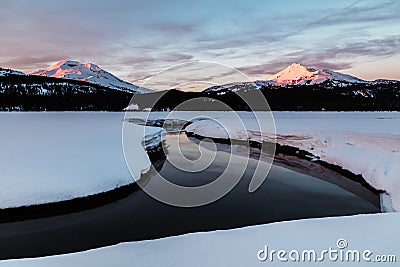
pixel 297 74
pixel 87 72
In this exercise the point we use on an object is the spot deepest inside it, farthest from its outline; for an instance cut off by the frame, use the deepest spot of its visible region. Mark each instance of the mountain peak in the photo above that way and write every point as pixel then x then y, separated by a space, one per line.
pixel 299 67
pixel 297 74
pixel 88 72
pixel 296 66
pixel 64 68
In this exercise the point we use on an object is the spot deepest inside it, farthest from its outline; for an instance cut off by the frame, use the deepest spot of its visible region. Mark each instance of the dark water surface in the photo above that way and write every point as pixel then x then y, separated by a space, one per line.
pixel 285 195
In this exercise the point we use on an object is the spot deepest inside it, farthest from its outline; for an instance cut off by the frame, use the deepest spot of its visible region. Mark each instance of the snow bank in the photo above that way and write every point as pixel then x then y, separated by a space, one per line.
pixel 239 247
pixel 364 143
pixel 51 157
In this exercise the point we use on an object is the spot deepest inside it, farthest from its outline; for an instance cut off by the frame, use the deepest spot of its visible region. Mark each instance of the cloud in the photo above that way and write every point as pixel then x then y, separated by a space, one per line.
pixel 374 48
pixel 335 58
pixel 354 13
pixel 170 28
pixel 32 62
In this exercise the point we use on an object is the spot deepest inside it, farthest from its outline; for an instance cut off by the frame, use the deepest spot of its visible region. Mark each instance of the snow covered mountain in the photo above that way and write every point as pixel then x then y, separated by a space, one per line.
pixel 6 72
pixel 87 72
pixel 297 74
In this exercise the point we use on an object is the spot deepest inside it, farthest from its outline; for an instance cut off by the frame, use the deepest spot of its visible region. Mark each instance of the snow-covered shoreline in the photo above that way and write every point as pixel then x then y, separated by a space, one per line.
pixel 363 143
pixel 240 247
pixel 53 157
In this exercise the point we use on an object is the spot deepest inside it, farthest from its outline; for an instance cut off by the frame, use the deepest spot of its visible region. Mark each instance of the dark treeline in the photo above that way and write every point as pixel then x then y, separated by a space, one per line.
pixel 35 93
pixel 366 97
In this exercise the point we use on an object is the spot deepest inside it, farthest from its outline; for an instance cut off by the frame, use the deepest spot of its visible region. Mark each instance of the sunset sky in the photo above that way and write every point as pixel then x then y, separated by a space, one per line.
pixel 135 39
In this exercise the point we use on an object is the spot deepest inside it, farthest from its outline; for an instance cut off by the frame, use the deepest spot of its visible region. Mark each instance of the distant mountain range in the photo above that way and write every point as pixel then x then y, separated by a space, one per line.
pixel 70 85
pixel 296 88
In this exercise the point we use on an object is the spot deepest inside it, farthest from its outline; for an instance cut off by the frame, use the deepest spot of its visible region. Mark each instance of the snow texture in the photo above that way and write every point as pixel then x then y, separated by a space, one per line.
pixel 239 247
pixel 52 157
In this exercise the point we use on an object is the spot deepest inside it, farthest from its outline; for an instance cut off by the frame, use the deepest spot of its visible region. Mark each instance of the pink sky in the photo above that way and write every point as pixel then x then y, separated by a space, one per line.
pixel 136 39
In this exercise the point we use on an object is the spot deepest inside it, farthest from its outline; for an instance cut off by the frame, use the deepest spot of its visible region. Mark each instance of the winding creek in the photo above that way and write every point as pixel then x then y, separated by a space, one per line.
pixel 285 195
